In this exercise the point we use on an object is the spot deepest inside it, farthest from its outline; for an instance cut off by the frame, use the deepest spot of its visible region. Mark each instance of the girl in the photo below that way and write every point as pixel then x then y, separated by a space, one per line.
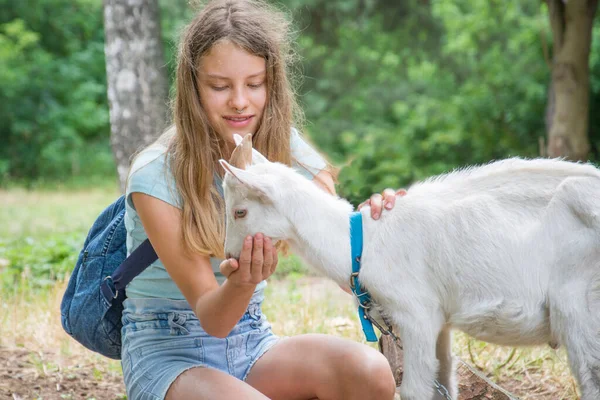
pixel 192 325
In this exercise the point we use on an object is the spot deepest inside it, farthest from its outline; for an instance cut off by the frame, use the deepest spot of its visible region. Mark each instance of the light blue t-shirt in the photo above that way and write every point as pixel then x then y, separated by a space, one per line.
pixel 150 174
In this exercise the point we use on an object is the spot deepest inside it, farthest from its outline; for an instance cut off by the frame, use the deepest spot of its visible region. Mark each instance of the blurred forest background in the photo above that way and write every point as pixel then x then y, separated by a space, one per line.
pixel 403 89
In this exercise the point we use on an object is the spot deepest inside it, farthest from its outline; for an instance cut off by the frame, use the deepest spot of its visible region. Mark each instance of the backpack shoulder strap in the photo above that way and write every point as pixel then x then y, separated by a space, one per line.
pixel 114 286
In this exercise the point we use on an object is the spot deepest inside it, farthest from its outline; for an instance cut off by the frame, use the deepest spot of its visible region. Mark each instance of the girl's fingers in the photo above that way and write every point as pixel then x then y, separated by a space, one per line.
pixel 389 198
pixel 257 257
pixel 228 266
pixel 378 201
pixel 246 254
pixel 267 257
pixel 245 260
pixel 376 205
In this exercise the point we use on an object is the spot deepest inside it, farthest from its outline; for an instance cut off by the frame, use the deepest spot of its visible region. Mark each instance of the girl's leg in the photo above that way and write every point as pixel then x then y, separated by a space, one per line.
pixel 323 367
pixel 210 384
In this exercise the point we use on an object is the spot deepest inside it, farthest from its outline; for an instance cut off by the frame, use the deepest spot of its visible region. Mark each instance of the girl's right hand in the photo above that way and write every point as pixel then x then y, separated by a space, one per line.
pixel 257 262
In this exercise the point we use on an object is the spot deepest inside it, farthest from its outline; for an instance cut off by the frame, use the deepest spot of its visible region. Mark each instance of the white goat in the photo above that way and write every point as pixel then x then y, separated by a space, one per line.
pixel 508 252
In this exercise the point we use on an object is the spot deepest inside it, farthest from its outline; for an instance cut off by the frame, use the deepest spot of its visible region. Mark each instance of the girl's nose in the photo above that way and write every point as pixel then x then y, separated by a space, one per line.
pixel 239 100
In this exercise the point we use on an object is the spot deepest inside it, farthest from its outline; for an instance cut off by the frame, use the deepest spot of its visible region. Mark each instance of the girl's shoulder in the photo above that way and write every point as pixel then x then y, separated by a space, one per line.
pixel 151 158
pixel 150 173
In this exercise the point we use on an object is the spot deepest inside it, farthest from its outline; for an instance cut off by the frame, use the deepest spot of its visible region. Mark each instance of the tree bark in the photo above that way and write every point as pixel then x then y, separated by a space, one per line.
pixel 567 112
pixel 472 384
pixel 136 77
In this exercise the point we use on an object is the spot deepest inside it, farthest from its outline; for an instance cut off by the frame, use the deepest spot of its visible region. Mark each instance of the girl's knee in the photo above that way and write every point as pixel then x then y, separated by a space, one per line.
pixel 381 377
pixel 371 374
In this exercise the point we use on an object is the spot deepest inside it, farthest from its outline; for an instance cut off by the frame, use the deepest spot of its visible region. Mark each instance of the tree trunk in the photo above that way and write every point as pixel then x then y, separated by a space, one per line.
pixel 472 384
pixel 136 77
pixel 567 113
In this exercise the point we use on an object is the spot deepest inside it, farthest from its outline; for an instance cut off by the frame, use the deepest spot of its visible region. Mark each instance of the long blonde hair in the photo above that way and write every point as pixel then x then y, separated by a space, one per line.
pixel 194 146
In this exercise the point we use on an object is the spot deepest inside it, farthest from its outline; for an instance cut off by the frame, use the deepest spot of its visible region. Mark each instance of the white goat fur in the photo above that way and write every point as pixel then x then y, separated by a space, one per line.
pixel 508 252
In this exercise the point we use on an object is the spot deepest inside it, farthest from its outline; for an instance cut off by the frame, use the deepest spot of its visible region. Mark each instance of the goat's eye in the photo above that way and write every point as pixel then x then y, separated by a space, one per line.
pixel 239 213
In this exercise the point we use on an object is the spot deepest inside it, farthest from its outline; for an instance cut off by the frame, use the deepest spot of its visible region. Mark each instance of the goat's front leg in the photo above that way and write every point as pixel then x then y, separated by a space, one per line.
pixel 419 337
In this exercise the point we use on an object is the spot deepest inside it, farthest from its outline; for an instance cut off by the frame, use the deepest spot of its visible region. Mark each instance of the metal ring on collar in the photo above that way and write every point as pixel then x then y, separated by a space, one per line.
pixel 352 276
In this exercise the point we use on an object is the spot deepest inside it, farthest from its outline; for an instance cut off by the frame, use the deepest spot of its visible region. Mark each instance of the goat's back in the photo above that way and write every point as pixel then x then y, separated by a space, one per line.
pixel 515 182
pixel 482 235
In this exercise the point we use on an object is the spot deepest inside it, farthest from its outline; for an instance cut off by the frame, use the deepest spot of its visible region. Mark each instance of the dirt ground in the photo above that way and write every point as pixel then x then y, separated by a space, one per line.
pixel 28 375
pixel 58 368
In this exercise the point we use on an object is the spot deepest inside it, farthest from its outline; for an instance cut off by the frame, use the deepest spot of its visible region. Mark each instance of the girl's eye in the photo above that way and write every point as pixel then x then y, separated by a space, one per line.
pixel 239 213
pixel 219 88
pixel 255 85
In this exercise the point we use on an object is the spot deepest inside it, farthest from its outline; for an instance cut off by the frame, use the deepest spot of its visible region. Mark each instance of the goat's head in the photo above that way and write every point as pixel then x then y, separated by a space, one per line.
pixel 252 190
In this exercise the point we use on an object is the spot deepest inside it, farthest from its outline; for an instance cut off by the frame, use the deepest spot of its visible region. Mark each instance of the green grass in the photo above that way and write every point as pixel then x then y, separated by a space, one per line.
pixel 27 213
pixel 41 234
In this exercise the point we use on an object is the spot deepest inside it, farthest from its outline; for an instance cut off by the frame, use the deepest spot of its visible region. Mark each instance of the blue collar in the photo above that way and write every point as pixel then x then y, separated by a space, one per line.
pixel 356 247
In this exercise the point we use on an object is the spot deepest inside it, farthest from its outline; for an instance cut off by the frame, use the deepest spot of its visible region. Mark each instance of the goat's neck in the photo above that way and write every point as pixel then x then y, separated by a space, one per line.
pixel 322 236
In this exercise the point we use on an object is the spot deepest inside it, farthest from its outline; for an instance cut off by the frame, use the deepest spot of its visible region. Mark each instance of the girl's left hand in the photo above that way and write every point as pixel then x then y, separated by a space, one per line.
pixel 257 262
pixel 379 201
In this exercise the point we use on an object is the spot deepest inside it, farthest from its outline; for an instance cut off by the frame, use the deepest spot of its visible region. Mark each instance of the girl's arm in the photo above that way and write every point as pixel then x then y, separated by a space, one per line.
pixel 324 180
pixel 218 308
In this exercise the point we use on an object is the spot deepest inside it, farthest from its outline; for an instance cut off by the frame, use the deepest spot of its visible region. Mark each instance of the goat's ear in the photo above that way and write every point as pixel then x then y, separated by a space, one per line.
pixel 258 158
pixel 242 154
pixel 228 168
pixel 237 139
pixel 260 186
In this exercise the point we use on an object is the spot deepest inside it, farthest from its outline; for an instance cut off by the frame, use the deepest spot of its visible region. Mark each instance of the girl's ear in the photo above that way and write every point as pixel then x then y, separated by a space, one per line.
pixel 258 185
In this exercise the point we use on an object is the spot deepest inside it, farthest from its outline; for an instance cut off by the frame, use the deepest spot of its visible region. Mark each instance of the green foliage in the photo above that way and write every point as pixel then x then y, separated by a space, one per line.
pixel 175 14
pixel 453 83
pixel 394 91
pixel 53 88
pixel 595 94
pixel 36 263
pixel 290 266
pixel 42 232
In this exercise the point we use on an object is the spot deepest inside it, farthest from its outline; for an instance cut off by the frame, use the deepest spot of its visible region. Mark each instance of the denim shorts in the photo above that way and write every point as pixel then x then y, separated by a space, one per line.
pixel 162 338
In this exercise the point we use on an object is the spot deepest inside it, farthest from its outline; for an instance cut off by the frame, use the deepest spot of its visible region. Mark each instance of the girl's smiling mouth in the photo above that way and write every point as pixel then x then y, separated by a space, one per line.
pixel 238 121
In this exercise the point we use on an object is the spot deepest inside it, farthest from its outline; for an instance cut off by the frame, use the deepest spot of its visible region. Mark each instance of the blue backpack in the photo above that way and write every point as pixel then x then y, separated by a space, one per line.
pixel 92 305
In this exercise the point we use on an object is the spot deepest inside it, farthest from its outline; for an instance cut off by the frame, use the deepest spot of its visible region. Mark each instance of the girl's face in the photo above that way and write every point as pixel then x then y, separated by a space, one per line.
pixel 233 89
